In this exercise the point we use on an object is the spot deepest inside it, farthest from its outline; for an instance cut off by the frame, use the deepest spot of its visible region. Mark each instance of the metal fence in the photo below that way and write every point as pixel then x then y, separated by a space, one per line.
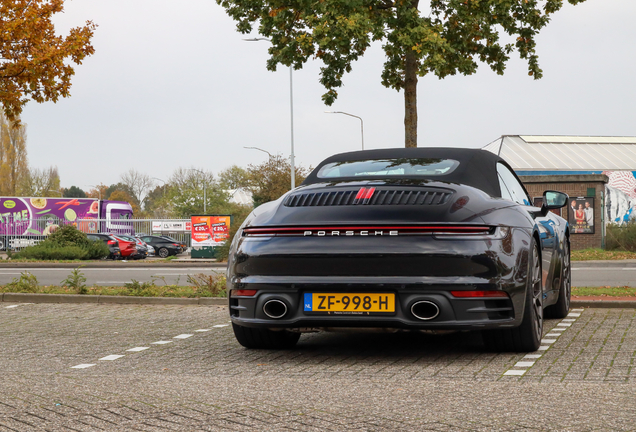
pixel 17 233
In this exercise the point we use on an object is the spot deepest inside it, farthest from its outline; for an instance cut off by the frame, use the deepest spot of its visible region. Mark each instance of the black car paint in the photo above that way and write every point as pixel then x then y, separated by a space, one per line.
pixel 414 267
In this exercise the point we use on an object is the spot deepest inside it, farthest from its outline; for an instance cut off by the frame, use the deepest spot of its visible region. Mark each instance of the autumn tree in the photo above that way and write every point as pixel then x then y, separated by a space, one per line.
pixel 187 191
pixel 137 184
pixel 270 180
pixel 97 191
pixel 40 182
pixel 444 37
pixel 233 177
pixel 13 155
pixel 35 62
pixel 120 195
pixel 74 192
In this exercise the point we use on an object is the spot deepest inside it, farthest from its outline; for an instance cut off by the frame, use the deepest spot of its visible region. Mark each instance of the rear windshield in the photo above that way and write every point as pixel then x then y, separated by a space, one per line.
pixel 407 167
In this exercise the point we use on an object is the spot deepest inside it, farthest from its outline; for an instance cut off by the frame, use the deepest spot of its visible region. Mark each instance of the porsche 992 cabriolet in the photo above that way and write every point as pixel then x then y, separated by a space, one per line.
pixel 411 239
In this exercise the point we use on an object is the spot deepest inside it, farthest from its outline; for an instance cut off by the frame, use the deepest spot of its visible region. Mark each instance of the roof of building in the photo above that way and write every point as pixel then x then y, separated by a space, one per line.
pixel 566 153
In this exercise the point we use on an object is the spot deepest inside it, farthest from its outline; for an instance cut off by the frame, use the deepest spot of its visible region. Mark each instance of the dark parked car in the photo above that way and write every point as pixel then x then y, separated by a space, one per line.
pixel 163 247
pixel 411 239
pixel 174 240
pixel 111 242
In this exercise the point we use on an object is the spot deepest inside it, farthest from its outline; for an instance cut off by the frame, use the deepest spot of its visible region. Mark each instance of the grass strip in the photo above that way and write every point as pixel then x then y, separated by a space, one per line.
pixel 605 291
pixel 600 254
pixel 181 291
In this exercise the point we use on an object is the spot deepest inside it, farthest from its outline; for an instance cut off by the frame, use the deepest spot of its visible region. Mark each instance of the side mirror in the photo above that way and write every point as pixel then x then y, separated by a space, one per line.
pixel 553 200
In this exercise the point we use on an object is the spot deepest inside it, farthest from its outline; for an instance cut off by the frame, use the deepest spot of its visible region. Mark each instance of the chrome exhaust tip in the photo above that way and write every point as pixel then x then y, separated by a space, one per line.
pixel 424 310
pixel 275 309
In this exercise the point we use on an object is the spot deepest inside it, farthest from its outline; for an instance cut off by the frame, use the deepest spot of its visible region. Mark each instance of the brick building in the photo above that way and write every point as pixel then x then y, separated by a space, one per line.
pixel 598 170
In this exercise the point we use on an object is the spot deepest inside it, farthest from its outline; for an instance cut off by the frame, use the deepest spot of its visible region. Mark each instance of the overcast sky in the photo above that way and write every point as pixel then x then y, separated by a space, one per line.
pixel 172 84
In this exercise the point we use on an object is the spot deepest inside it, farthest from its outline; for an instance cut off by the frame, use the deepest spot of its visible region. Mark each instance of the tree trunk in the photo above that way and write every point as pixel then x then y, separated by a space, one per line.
pixel 410 101
pixel 410 94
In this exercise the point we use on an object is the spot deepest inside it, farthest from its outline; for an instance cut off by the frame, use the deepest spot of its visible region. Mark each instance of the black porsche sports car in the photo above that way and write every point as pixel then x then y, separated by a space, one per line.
pixel 415 239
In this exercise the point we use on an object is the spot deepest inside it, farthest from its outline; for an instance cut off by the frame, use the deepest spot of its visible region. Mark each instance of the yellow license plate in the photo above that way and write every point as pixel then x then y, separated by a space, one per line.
pixel 349 303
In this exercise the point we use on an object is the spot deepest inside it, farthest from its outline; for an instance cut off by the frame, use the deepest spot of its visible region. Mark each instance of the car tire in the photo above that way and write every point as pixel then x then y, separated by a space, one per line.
pixel 262 338
pixel 163 252
pixel 526 337
pixel 562 307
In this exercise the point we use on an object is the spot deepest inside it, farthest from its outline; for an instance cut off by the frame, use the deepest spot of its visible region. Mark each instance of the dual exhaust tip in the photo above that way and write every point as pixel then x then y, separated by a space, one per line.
pixel 424 310
pixel 275 309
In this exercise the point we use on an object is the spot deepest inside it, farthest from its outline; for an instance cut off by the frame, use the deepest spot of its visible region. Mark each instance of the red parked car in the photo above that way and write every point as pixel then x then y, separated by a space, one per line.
pixel 127 248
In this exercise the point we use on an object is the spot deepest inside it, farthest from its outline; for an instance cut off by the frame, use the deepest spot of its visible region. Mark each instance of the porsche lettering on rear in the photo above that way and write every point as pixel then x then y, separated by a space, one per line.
pixel 351 233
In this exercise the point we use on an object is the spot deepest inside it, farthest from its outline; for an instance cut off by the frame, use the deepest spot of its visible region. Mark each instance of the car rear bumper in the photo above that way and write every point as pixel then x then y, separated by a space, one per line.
pixel 448 312
pixel 413 269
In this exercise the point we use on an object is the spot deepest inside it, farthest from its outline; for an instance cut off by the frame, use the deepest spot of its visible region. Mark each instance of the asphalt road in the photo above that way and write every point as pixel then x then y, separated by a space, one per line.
pixel 583 274
pixel 157 368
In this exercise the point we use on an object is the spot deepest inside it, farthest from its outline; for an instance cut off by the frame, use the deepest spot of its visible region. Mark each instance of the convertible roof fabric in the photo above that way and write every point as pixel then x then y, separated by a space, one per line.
pixel 477 167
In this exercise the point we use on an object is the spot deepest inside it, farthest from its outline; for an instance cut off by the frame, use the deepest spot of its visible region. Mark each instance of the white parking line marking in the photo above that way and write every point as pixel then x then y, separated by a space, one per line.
pixel 568 320
pixel 220 325
pixel 161 342
pixel 83 366
pixel 137 349
pixel 183 336
pixel 11 307
pixel 112 357
pixel 545 340
pixel 202 330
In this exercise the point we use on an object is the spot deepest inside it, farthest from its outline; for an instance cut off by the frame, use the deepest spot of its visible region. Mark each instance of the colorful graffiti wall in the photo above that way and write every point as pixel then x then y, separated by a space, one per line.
pixel 620 196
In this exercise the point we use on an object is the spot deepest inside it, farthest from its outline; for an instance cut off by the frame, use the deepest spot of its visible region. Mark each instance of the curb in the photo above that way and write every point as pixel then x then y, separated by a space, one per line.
pixel 219 301
pixel 104 299
pixel 627 304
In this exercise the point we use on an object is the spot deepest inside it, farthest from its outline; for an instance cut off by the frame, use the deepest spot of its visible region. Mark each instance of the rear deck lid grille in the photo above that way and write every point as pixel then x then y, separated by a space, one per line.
pixel 370 196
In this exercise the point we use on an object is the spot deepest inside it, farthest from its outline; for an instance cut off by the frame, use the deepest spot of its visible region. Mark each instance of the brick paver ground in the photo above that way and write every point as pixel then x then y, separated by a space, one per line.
pixel 357 382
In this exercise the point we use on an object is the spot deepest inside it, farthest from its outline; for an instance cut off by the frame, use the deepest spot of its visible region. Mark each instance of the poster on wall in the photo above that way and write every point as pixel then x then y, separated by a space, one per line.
pixel 581 215
pixel 210 231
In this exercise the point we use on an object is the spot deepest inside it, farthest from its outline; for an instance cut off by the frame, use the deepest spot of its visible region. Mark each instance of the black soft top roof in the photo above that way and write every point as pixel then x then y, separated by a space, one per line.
pixel 477 167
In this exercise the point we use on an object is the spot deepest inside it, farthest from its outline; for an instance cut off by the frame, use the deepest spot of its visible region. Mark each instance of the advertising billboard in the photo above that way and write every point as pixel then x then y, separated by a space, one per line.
pixel 581 215
pixel 210 230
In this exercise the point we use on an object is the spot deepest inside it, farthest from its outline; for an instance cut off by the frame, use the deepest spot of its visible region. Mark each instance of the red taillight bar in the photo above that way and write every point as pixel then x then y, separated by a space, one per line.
pixel 243 293
pixel 454 229
pixel 474 294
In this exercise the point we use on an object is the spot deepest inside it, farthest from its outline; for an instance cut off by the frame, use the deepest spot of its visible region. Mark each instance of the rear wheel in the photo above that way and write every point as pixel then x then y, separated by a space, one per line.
pixel 562 307
pixel 163 252
pixel 262 338
pixel 526 337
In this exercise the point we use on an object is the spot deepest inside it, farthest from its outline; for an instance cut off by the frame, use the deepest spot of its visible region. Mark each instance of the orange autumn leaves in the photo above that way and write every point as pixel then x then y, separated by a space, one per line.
pixel 35 63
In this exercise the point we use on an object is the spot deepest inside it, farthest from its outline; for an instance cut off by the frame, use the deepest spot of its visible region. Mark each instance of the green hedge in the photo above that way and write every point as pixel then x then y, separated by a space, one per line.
pixel 621 237
pixel 67 243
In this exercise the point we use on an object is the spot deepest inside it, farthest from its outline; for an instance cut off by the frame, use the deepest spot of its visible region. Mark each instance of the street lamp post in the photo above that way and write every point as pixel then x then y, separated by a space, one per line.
pixel 291 111
pixel 259 149
pixel 204 184
pixel 351 115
